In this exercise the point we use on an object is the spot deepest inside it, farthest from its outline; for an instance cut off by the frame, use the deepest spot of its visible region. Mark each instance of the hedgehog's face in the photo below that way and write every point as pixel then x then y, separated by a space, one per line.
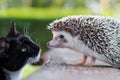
pixel 61 39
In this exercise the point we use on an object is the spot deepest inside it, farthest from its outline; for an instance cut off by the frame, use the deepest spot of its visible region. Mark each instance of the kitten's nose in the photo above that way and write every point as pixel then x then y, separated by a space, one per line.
pixel 38 48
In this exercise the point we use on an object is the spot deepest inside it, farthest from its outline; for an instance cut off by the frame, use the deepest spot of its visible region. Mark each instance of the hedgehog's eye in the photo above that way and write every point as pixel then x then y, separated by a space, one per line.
pixel 61 36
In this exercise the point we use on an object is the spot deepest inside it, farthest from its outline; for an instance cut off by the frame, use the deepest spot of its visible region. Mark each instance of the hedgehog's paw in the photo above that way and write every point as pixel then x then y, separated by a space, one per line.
pixel 89 65
pixel 82 62
pixel 92 62
pixel 77 64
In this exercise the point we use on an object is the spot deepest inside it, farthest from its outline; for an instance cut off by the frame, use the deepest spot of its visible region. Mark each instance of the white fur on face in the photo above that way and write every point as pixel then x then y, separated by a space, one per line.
pixel 34 59
pixel 57 42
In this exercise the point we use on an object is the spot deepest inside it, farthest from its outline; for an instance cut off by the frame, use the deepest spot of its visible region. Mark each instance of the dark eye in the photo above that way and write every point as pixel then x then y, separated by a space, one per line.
pixel 23 49
pixel 61 36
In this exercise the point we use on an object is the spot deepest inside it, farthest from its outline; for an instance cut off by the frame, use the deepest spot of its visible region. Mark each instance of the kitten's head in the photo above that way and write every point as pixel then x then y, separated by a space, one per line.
pixel 20 50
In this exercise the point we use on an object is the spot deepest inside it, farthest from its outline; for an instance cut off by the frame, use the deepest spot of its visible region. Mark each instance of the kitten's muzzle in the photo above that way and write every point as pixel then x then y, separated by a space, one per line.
pixel 37 48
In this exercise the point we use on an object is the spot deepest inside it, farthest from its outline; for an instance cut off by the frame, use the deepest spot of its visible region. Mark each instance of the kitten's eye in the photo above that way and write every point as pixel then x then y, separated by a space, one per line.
pixel 23 49
pixel 61 36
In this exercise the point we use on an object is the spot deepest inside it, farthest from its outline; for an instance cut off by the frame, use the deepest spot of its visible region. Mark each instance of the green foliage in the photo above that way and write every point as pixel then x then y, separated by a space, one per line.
pixel 2 1
pixel 41 3
pixel 40 13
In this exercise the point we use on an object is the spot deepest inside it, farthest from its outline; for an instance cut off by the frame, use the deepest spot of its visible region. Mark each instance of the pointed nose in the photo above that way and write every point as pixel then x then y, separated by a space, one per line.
pixel 47 44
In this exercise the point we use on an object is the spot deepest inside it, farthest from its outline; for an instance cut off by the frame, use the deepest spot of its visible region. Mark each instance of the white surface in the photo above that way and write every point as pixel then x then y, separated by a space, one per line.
pixel 55 71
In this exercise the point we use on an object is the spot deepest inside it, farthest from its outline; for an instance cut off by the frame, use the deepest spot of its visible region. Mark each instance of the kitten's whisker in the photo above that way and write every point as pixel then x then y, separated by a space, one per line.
pixel 27 27
pixel 30 34
pixel 36 41
pixel 24 30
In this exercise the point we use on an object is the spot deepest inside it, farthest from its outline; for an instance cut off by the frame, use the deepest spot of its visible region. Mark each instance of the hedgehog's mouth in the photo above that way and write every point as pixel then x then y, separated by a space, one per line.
pixel 54 44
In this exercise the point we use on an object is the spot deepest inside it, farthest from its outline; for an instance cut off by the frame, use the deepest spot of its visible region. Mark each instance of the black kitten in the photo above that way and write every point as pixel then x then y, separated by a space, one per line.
pixel 16 51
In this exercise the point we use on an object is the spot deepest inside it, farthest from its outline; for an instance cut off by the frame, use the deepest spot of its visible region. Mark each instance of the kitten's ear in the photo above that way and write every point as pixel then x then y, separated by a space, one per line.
pixel 2 43
pixel 71 31
pixel 3 47
pixel 12 31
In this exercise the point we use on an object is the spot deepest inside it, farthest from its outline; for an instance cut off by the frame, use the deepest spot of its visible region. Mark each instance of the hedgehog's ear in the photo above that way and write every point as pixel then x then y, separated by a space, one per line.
pixel 71 31
pixel 12 31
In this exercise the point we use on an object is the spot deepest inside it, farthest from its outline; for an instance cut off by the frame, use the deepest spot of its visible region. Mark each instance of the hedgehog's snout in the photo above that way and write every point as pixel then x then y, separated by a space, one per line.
pixel 48 44
pixel 53 43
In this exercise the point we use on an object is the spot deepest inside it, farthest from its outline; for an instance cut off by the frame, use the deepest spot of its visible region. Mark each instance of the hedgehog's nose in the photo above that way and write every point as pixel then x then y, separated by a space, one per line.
pixel 48 44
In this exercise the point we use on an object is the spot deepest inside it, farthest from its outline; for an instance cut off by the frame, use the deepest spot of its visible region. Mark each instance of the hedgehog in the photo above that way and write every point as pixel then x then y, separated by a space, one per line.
pixel 97 37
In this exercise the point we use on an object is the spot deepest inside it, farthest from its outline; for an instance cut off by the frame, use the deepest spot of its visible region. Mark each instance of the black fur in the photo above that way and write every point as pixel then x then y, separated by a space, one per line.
pixel 15 51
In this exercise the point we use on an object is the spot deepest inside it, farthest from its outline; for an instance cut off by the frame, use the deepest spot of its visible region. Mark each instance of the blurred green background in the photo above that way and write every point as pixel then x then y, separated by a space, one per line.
pixel 37 14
